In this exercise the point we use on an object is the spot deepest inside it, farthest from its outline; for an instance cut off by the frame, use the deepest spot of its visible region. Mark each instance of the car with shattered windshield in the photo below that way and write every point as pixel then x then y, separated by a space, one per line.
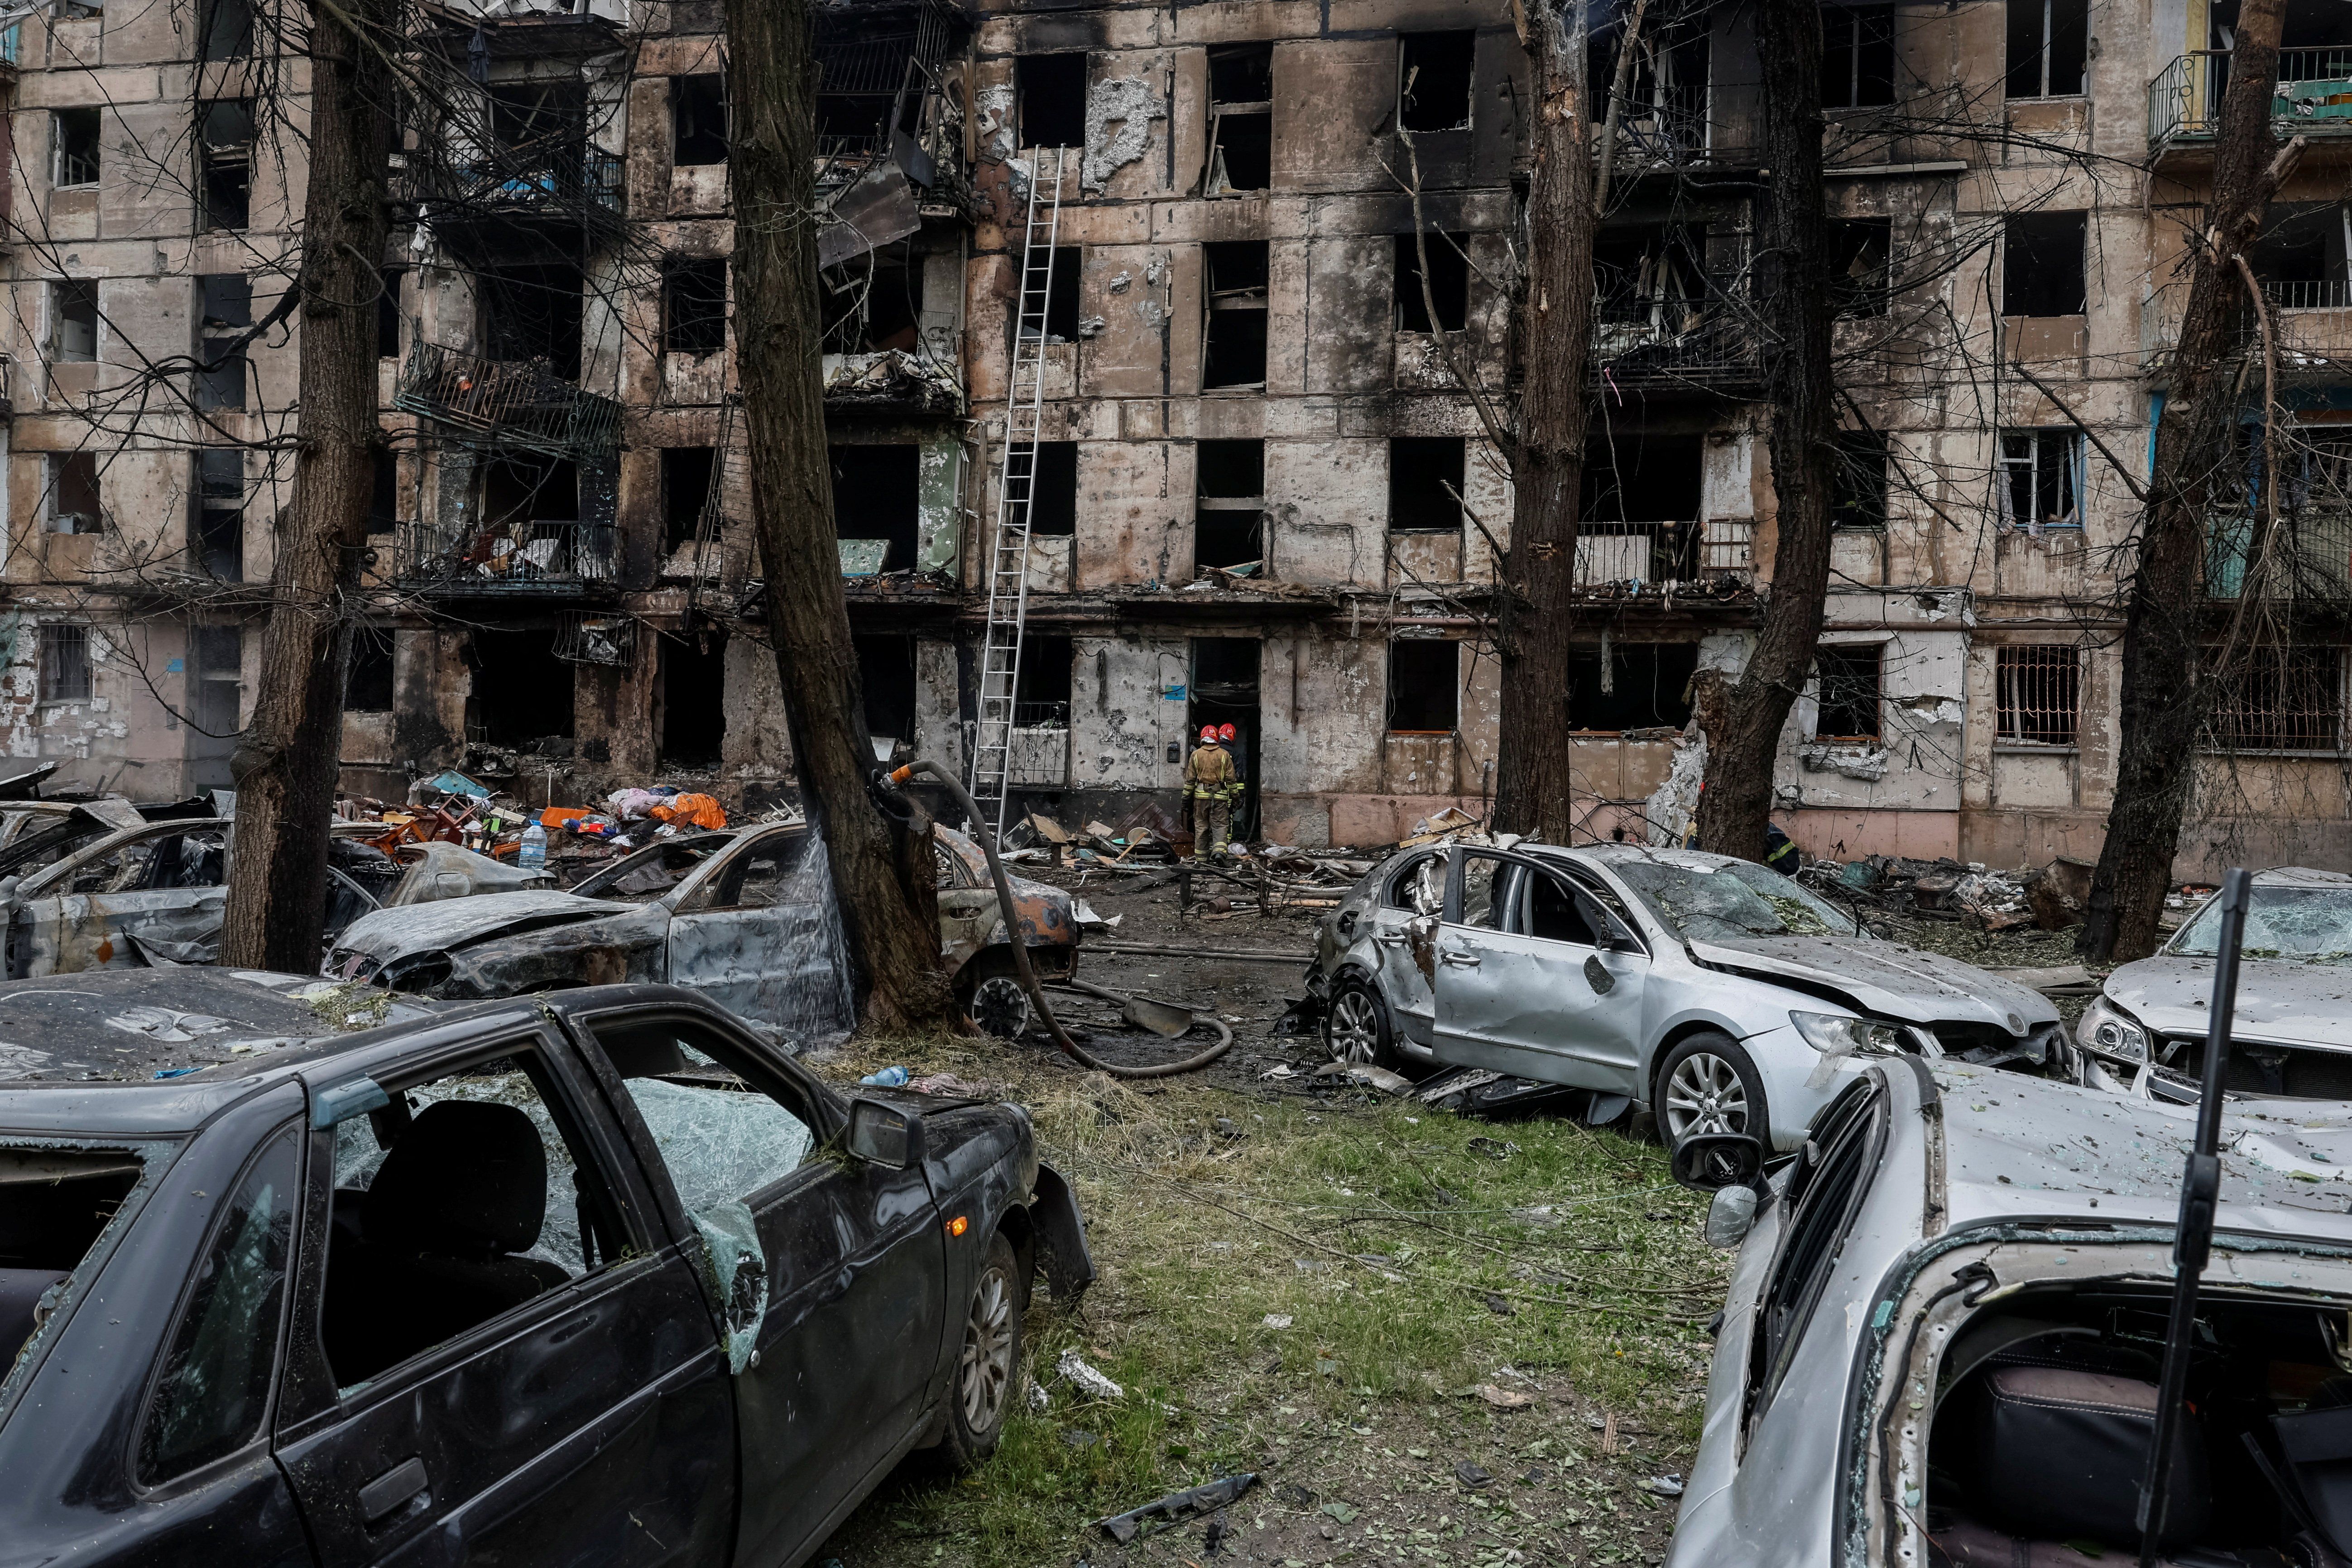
pixel 1947 1321
pixel 745 918
pixel 1718 994
pixel 296 1271
pixel 2144 1032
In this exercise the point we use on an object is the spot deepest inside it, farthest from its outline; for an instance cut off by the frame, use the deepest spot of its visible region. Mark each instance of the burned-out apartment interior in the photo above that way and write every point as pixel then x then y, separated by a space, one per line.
pixel 1146 408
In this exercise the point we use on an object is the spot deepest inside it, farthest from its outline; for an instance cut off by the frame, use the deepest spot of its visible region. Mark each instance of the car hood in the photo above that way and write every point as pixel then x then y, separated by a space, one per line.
pixel 2280 1001
pixel 408 929
pixel 1884 979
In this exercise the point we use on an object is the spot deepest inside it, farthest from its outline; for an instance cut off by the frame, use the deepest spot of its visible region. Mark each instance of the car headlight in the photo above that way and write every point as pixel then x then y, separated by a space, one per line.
pixel 1832 1034
pixel 2109 1031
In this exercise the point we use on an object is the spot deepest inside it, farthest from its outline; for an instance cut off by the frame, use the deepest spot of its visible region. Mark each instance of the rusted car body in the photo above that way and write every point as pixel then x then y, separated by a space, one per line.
pixel 744 918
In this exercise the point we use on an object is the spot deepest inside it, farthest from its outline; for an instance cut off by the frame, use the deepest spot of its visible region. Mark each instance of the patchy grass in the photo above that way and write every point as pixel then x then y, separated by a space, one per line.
pixel 1318 1291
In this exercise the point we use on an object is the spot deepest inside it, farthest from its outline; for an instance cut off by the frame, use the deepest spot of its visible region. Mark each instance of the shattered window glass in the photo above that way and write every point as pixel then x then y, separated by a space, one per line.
pixel 1419 887
pixel 1479 900
pixel 184 859
pixel 719 1143
pixel 2313 924
pixel 216 1382
pixel 651 872
pixel 1731 901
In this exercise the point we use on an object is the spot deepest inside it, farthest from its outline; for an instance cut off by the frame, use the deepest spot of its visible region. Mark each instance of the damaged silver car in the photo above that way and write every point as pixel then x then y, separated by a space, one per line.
pixel 1715 992
pixel 746 919
pixel 2144 1032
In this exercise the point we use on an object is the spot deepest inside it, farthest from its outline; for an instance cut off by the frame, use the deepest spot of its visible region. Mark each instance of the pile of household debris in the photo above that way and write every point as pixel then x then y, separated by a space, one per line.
pixel 2050 899
pixel 454 807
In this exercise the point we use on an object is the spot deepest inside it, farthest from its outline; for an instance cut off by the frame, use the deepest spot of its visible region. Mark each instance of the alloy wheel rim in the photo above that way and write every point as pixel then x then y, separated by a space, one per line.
pixel 1704 1094
pixel 1001 1007
pixel 1355 1032
pixel 986 1368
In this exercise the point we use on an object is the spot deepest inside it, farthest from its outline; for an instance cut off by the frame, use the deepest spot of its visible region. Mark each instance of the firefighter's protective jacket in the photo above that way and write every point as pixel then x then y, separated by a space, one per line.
pixel 1209 774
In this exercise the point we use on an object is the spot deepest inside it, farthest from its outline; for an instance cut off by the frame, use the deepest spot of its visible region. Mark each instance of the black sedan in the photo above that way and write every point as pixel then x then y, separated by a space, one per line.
pixel 594 1278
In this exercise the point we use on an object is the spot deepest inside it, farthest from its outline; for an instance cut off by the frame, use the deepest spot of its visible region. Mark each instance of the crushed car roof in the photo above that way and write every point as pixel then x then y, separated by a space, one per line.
pixel 2018 1147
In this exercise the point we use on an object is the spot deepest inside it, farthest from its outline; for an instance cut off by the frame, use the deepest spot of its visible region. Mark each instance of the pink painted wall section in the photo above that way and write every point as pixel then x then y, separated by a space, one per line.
pixel 1851 834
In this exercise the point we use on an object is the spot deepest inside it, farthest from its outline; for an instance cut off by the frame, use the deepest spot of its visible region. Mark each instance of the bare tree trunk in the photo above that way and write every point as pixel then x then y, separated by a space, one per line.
pixel 882 867
pixel 1792 298
pixel 1534 759
pixel 2167 694
pixel 285 761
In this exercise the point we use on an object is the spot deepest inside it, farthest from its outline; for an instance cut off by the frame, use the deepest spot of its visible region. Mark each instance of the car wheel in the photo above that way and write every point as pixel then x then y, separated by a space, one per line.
pixel 993 997
pixel 1357 1026
pixel 1708 1084
pixel 990 1364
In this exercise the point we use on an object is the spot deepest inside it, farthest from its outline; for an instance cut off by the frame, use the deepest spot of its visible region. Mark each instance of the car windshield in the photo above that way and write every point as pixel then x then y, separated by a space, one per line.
pixel 2313 924
pixel 1730 899
pixel 652 871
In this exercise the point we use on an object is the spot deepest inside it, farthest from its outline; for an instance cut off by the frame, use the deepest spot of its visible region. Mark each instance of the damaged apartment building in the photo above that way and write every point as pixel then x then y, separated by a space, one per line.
pixel 1151 403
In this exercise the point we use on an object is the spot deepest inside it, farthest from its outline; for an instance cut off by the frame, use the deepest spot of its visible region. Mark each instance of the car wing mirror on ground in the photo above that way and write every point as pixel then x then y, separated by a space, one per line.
pixel 884 1134
pixel 1712 1162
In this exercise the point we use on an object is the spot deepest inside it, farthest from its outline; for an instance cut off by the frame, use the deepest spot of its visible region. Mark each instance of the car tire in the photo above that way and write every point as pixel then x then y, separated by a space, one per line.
pixel 988 1367
pixel 1709 1084
pixel 1358 1027
pixel 989 990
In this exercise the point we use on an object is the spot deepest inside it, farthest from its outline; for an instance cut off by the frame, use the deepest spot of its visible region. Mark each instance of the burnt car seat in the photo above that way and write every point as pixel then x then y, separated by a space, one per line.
pixel 462 1192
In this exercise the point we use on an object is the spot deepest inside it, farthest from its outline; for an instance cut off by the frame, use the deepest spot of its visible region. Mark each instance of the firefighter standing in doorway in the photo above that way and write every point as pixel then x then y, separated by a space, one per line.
pixel 1209 782
pixel 1229 738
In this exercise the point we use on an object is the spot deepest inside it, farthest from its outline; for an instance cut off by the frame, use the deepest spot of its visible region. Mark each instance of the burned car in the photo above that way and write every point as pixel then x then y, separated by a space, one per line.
pixel 2144 1032
pixel 601 1278
pixel 1946 1319
pixel 746 918
pixel 1716 992
pixel 152 892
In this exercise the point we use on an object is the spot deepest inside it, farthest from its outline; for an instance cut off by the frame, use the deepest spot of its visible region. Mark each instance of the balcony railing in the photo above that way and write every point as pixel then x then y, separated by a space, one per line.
pixel 1701 338
pixel 1631 557
pixel 512 403
pixel 2311 319
pixel 2314 95
pixel 1666 125
pixel 559 180
pixel 558 556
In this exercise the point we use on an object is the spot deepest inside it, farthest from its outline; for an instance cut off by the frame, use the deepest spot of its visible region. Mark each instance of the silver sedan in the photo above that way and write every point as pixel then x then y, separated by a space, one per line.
pixel 1721 995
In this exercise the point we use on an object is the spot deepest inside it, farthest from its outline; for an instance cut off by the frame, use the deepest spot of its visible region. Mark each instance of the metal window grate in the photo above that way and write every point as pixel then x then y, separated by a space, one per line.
pixel 2282 700
pixel 65 663
pixel 583 637
pixel 2040 693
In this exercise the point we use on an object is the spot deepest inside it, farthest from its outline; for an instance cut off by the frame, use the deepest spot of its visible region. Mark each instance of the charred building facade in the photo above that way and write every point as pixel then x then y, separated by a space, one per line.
pixel 1155 345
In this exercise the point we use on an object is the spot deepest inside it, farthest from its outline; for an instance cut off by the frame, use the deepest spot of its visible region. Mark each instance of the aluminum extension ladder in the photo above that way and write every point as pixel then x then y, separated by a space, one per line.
pixel 1008 573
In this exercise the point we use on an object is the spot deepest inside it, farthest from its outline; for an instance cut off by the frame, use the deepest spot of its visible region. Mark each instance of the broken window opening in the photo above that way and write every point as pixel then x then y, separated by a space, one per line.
pixel 1449 282
pixel 866 75
pixel 1229 504
pixel 1857 57
pixel 878 499
pixel 227 27
pixel 1041 700
pixel 73 506
pixel 2049 43
pixel 1050 487
pixel 226 300
pixel 693 700
pixel 74 147
pixel 220 512
pixel 1644 478
pixel 697 120
pixel 215 697
pixel 2301 255
pixel 1051 90
pixel 694 308
pixel 1861 256
pixel 2281 699
pixel 1234 338
pixel 1846 707
pixel 64 662
pixel 221 380
pixel 387 314
pixel 368 679
pixel 1642 686
pixel 384 490
pixel 1649 282
pixel 1425 475
pixel 2041 270
pixel 1424 686
pixel 225 163
pixel 1858 487
pixel 2041 479
pixel 538 119
pixel 1241 152
pixel 522 691
pixel 686 474
pixel 1433 76
pixel 1061 283
pixel 60 1201
pixel 520 491
pixel 872 304
pixel 2039 688
pixel 1241 76
pixel 886 674
pixel 534 313
pixel 73 330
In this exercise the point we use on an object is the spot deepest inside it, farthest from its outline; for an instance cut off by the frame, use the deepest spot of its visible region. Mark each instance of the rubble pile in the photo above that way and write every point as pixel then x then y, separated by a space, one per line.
pixel 1972 894
pixel 455 808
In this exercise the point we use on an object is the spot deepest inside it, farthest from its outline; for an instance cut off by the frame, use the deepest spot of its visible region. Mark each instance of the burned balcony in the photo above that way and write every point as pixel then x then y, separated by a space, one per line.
pixel 563 182
pixel 520 404
pixel 2313 97
pixel 1711 556
pixel 1692 333
pixel 561 557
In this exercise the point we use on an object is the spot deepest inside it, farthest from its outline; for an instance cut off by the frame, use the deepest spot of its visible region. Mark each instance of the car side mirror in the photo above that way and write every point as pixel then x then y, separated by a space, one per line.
pixel 1712 1162
pixel 884 1134
pixel 1730 1216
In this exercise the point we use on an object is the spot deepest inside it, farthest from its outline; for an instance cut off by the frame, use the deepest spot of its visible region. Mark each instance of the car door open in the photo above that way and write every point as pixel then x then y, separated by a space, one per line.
pixel 1534 977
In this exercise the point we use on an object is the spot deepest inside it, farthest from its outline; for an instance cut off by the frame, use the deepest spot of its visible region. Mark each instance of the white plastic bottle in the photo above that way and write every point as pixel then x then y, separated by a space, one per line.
pixel 531 854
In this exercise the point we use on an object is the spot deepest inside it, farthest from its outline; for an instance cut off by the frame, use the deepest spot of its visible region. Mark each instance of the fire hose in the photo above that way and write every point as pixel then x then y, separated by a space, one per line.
pixel 1021 966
